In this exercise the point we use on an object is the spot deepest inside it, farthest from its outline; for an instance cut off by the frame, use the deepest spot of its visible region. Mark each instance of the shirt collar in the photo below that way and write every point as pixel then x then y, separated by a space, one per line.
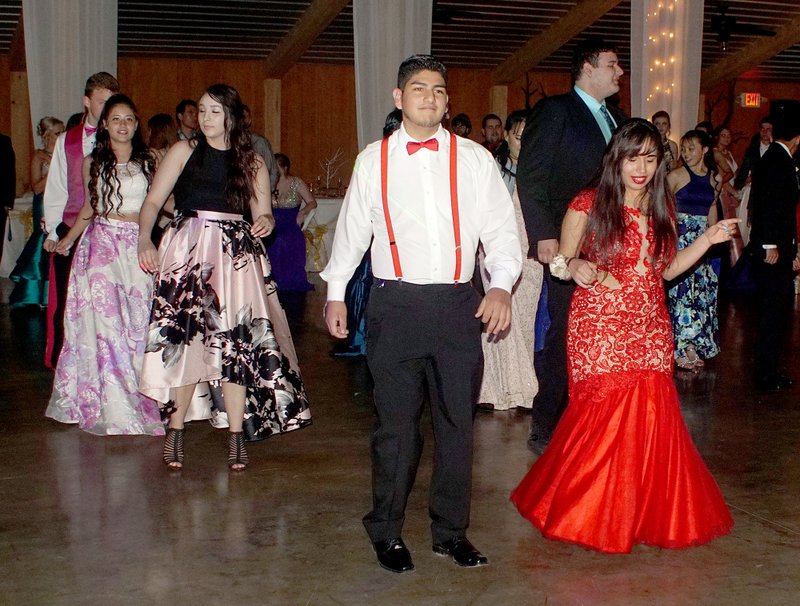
pixel 784 146
pixel 592 103
pixel 403 137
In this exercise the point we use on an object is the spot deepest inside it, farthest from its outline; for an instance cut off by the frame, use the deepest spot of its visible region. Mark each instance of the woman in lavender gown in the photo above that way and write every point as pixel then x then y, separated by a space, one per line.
pixel 109 295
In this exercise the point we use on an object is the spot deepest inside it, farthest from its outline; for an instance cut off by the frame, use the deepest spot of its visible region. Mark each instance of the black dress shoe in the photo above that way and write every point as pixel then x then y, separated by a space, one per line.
pixel 538 438
pixel 773 382
pixel 393 555
pixel 462 551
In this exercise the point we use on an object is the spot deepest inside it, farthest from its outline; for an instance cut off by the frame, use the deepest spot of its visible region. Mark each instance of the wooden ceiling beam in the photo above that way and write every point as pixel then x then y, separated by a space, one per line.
pixel 541 46
pixel 315 20
pixel 755 53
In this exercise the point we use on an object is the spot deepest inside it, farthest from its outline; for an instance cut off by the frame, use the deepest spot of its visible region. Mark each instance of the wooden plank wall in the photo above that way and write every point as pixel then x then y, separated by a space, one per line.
pixel 318 101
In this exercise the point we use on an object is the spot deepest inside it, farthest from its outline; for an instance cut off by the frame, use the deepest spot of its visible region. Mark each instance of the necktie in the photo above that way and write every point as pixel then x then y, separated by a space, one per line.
pixel 414 146
pixel 90 130
pixel 609 119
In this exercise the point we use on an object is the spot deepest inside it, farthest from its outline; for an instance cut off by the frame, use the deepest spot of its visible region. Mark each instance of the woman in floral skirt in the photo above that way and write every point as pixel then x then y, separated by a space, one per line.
pixel 216 315
pixel 109 296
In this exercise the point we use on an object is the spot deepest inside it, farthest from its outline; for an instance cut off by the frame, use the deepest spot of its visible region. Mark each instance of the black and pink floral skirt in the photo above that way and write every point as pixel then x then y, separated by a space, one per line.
pixel 216 317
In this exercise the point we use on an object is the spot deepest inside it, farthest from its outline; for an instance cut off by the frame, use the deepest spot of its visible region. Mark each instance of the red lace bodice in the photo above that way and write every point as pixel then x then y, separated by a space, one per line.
pixel 621 324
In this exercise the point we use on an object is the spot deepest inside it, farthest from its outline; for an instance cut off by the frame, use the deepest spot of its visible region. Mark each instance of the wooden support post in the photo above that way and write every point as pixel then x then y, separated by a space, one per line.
pixel 272 112
pixel 498 101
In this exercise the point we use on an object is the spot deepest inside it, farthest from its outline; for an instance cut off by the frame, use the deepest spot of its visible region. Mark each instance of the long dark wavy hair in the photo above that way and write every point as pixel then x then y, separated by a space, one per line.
pixel 243 164
pixel 605 232
pixel 103 179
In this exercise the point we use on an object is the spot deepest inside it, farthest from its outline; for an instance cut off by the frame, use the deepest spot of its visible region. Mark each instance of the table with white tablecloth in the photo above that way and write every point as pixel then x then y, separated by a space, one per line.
pixel 319 229
pixel 18 229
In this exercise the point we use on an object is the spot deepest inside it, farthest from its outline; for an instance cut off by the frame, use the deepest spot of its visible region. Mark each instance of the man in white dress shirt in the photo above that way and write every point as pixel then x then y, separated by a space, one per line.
pixel 63 199
pixel 423 316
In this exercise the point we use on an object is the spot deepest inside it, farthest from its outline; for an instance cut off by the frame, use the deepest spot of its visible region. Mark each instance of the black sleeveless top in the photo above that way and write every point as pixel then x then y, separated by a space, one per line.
pixel 201 185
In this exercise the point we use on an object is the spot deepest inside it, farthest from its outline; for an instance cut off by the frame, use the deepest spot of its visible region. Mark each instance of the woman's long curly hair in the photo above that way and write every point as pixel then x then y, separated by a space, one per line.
pixel 605 232
pixel 243 164
pixel 104 182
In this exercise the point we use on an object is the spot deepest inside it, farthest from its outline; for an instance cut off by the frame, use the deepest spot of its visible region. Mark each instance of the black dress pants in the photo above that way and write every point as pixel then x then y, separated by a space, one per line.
pixel 61 268
pixel 775 296
pixel 551 363
pixel 415 332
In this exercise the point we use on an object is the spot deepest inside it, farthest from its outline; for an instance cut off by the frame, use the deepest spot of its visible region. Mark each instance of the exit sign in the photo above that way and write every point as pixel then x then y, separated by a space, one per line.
pixel 751 100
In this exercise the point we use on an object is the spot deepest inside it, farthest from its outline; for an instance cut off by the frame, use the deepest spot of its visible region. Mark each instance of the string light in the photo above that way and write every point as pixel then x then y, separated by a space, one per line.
pixel 659 22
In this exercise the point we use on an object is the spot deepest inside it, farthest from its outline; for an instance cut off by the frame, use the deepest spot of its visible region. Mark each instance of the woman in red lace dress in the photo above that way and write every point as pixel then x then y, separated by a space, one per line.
pixel 621 467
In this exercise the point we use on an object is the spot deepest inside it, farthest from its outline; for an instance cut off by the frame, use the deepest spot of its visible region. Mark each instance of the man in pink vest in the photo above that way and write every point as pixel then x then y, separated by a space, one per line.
pixel 63 198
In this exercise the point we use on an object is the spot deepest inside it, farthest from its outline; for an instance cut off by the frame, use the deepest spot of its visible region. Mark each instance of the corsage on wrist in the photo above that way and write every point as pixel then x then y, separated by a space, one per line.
pixel 559 267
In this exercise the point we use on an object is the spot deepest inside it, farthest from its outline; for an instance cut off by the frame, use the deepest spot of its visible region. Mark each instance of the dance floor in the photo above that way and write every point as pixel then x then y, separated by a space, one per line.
pixel 91 520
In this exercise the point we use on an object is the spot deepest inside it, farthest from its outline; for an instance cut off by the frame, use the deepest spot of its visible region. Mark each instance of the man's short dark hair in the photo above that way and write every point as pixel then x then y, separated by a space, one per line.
pixel 181 107
pixel 488 117
pixel 461 120
pixel 99 81
pixel 765 120
pixel 589 50
pixel 786 127
pixel 418 63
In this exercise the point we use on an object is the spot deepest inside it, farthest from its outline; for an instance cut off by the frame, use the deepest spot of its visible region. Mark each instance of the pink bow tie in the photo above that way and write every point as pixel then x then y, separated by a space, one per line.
pixel 414 146
pixel 90 130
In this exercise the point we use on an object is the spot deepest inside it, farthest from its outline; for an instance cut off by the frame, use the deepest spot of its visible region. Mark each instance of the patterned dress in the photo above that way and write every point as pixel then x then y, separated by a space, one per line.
pixel 621 467
pixel 692 298
pixel 105 326
pixel 216 315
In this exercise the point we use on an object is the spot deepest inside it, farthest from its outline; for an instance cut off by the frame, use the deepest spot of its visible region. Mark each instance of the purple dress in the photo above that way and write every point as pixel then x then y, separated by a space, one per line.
pixel 286 247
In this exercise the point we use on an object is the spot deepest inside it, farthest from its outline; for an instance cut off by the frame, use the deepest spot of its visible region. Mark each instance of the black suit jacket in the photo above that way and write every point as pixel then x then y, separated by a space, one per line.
pixel 8 173
pixel 773 198
pixel 751 158
pixel 562 147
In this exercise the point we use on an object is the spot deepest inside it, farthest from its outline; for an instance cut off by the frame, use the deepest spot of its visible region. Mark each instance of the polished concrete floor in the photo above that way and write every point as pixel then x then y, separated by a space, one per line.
pixel 88 520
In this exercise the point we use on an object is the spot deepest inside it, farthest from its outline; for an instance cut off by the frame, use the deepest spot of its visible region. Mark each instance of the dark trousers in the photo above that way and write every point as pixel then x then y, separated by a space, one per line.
pixel 775 296
pixel 60 266
pixel 417 334
pixel 551 363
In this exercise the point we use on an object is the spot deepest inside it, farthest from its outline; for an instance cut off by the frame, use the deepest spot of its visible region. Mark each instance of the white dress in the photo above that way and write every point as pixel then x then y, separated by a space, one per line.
pixel 105 326
pixel 509 379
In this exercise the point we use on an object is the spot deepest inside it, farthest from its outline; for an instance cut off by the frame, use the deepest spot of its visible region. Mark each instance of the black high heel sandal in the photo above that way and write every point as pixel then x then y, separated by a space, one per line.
pixel 173 448
pixel 237 453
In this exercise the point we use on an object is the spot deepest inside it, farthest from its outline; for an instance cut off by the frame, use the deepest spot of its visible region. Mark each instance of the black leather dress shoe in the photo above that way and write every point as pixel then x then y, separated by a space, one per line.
pixel 538 438
pixel 462 551
pixel 393 555
pixel 773 382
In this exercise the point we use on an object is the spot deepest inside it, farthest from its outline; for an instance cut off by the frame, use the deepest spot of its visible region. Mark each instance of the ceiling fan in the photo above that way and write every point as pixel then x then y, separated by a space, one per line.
pixel 444 15
pixel 725 26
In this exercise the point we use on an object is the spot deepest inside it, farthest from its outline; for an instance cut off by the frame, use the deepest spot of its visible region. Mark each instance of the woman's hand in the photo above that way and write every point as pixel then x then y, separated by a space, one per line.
pixel 263 225
pixel 583 272
pixel 63 245
pixel 148 256
pixel 722 231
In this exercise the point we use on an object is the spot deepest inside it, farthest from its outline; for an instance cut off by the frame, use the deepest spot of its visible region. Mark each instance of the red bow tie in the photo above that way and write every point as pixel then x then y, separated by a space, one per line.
pixel 90 130
pixel 414 146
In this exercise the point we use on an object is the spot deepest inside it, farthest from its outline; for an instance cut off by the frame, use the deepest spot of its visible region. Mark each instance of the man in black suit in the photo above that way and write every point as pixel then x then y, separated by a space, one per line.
pixel 8 183
pixel 773 244
pixel 757 148
pixel 562 147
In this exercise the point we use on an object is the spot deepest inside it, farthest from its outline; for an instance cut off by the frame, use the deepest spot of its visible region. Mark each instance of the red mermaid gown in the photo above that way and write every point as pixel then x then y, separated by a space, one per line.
pixel 621 467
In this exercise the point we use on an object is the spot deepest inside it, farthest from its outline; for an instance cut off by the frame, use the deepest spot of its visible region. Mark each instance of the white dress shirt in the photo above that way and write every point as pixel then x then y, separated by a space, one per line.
pixel 594 107
pixel 420 210
pixel 55 190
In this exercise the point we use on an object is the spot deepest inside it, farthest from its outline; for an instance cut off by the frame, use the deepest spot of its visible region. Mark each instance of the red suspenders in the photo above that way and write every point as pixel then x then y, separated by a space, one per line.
pixel 398 271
